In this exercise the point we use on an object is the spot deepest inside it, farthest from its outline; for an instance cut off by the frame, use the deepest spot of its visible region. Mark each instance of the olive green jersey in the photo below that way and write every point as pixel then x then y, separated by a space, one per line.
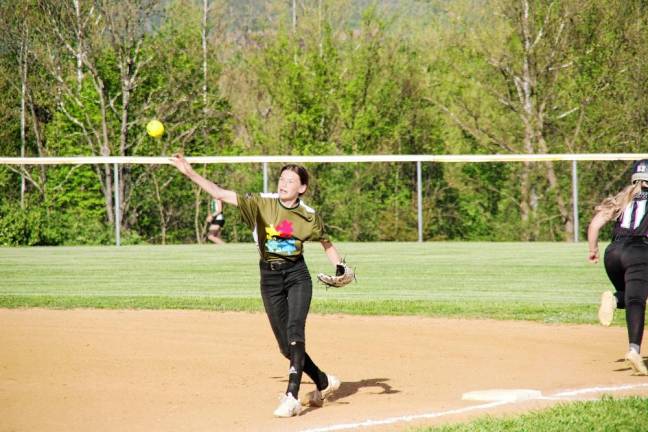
pixel 279 231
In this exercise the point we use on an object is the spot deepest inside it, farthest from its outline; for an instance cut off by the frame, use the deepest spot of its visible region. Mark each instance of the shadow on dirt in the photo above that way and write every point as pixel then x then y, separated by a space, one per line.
pixel 628 368
pixel 349 388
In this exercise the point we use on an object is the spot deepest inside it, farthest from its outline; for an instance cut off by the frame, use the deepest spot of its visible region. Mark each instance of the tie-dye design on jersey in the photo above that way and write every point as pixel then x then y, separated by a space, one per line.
pixel 279 239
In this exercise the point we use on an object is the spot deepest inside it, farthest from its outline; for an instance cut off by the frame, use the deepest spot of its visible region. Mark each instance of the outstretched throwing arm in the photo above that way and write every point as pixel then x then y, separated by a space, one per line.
pixel 211 188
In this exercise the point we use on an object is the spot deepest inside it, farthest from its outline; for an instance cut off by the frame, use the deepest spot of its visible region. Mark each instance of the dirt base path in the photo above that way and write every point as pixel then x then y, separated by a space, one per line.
pixel 102 370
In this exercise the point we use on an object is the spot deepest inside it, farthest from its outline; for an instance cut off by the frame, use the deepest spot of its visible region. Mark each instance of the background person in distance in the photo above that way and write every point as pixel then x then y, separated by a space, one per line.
pixel 215 221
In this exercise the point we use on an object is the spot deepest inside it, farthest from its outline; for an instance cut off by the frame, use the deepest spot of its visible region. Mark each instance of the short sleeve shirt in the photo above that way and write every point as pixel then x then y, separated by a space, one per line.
pixel 279 231
pixel 633 221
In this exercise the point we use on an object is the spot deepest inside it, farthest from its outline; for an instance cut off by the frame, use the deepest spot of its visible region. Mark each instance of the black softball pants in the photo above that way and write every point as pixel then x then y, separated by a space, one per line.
pixel 626 263
pixel 286 298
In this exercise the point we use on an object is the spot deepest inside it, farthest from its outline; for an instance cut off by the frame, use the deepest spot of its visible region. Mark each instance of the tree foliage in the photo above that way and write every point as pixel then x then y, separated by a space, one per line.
pixel 83 77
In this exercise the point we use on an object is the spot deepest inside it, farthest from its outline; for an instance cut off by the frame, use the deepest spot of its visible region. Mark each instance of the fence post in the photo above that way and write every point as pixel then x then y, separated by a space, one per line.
pixel 265 177
pixel 22 178
pixel 575 199
pixel 117 215
pixel 419 201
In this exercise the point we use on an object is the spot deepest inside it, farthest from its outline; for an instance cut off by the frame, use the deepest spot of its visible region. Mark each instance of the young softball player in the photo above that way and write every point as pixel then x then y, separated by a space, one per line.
pixel 281 223
pixel 626 259
pixel 215 221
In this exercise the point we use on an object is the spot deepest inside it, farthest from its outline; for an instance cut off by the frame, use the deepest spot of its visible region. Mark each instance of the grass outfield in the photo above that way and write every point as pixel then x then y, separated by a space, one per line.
pixel 608 414
pixel 550 282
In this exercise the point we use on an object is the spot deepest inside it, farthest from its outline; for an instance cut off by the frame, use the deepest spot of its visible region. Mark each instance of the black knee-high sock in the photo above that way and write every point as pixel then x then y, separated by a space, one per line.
pixel 318 377
pixel 297 354
pixel 635 313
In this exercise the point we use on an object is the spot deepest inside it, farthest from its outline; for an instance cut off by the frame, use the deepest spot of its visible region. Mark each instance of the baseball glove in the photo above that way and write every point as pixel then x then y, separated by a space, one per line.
pixel 344 275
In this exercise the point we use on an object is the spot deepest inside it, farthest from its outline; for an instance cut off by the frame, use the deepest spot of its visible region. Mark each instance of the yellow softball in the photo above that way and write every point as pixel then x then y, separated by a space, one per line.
pixel 155 128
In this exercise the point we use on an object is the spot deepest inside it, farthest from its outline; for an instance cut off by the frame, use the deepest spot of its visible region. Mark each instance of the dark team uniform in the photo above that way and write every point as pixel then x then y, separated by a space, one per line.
pixel 626 263
pixel 218 219
pixel 286 285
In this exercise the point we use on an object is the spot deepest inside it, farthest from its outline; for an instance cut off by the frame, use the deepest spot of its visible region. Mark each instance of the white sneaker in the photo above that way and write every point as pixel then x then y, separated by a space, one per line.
pixel 607 308
pixel 636 362
pixel 316 397
pixel 288 407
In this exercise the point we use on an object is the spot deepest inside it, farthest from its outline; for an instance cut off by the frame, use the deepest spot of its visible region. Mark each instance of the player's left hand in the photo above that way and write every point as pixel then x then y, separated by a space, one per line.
pixel 344 275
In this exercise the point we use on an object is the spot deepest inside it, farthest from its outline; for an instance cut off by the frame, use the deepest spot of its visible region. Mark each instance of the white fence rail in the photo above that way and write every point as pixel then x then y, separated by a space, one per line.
pixel 265 160
pixel 80 160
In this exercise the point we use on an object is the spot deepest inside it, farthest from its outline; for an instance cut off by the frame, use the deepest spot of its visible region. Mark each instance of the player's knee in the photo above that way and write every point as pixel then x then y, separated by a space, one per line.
pixel 636 295
pixel 285 350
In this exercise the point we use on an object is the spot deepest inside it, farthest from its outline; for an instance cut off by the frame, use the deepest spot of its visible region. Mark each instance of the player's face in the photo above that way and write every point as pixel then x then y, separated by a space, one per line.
pixel 289 186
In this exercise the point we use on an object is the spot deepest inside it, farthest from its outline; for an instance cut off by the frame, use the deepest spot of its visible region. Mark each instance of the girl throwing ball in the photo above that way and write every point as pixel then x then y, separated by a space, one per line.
pixel 281 224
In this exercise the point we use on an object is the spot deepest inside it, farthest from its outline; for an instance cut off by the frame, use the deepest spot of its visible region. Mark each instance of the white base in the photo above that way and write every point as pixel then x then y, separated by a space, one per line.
pixel 502 395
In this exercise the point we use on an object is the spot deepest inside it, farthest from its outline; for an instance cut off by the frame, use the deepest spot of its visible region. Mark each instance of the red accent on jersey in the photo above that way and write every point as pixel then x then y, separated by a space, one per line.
pixel 285 229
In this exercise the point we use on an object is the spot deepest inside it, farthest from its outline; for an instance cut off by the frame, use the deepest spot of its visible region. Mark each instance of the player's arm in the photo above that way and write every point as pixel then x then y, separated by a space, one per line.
pixel 344 274
pixel 598 221
pixel 331 252
pixel 211 188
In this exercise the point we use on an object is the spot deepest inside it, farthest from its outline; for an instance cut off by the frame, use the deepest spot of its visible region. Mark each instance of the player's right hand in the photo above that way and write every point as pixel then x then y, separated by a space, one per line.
pixel 593 256
pixel 181 163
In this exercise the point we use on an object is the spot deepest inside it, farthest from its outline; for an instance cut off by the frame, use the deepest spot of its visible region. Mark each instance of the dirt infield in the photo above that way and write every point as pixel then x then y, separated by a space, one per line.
pixel 102 370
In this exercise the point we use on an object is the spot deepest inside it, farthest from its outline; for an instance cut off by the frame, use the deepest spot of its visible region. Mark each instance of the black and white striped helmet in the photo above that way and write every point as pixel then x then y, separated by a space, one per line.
pixel 640 171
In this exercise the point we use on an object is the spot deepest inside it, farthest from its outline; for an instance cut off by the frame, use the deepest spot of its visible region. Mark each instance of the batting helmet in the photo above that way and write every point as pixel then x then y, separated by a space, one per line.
pixel 640 171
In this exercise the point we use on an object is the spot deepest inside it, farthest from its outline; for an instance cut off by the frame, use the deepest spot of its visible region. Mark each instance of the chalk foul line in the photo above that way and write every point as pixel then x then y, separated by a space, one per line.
pixel 562 395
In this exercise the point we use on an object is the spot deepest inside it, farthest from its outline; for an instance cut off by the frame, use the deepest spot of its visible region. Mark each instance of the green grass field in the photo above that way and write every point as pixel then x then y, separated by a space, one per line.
pixel 606 415
pixel 550 282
